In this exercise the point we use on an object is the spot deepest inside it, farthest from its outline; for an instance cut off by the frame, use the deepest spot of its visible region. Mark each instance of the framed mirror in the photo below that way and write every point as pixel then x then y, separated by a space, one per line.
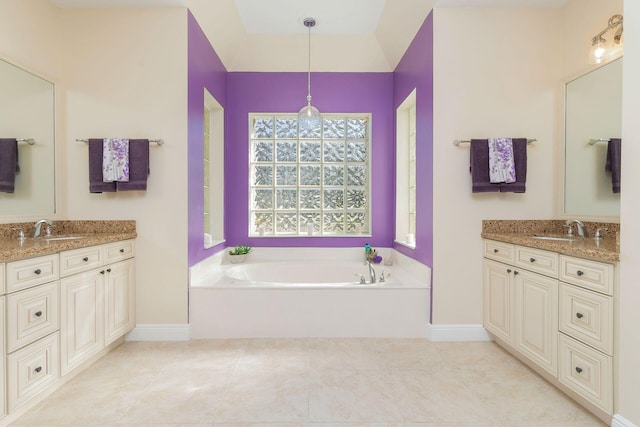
pixel 592 116
pixel 27 113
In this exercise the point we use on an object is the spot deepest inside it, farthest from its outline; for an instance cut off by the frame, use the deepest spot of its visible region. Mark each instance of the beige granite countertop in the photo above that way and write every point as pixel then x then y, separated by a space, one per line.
pixel 92 232
pixel 521 232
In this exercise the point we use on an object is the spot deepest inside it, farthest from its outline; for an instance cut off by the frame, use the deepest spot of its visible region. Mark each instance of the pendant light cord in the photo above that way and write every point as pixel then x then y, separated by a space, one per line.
pixel 309 68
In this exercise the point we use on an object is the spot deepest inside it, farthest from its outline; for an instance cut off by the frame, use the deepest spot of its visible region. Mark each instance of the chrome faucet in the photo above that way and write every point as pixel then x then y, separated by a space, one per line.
pixel 372 272
pixel 582 232
pixel 38 226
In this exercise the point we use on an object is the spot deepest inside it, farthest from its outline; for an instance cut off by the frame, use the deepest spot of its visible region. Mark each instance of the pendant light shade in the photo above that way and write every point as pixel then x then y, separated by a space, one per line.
pixel 309 117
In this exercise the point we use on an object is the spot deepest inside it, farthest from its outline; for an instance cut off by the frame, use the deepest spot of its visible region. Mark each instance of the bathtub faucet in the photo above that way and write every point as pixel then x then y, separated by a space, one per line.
pixel 372 272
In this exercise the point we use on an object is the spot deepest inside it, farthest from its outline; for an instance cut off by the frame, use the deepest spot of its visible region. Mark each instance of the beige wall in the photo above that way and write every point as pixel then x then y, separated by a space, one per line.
pixel 496 74
pixel 629 396
pixel 126 75
pixel 30 35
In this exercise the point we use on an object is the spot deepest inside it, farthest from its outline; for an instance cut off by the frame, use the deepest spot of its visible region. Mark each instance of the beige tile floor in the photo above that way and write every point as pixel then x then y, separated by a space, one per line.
pixel 309 382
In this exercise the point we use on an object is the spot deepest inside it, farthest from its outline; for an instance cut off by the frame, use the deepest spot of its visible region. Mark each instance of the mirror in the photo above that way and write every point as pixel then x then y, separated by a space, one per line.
pixel 593 111
pixel 27 111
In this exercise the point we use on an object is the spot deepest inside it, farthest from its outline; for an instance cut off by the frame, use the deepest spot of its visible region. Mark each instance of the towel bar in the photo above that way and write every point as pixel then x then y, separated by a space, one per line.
pixel 457 142
pixel 594 141
pixel 156 141
pixel 29 141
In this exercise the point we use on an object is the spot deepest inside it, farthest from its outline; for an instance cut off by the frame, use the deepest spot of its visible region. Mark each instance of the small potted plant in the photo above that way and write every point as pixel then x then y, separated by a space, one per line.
pixel 239 254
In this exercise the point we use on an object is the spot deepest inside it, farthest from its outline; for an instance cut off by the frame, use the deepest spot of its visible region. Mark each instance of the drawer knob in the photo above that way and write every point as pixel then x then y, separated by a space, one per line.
pixel 122 250
pixel 108 270
pixel 495 251
pixel 101 271
pixel 515 272
pixel 580 272
pixel 508 270
pixel 579 315
pixel 38 313
pixel 578 369
pixel 38 271
pixel 38 369
pixel 85 259
pixel 532 259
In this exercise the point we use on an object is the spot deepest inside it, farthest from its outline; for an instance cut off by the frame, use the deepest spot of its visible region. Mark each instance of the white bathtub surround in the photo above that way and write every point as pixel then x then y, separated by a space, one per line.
pixel 315 293
pixel 620 421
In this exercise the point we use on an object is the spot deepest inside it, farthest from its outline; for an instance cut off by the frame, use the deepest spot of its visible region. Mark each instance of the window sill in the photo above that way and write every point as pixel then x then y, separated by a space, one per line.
pixel 214 243
pixel 405 244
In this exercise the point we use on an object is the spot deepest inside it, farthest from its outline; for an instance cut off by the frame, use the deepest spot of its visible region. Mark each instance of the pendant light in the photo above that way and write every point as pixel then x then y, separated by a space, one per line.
pixel 309 117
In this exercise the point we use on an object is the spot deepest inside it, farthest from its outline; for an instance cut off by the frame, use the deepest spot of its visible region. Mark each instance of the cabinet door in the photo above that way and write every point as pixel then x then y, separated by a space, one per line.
pixel 497 307
pixel 120 299
pixel 82 309
pixel 536 313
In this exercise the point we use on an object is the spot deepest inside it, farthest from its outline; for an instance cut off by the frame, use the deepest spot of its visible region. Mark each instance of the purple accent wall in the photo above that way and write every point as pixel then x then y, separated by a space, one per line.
pixel 286 93
pixel 415 70
pixel 205 70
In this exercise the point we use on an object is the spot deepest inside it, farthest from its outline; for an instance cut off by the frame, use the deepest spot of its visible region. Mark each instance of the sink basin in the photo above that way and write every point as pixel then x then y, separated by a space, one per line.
pixel 58 238
pixel 560 239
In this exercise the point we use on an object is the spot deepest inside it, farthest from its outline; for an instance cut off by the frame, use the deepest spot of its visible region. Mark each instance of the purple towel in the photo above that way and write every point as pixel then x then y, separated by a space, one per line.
pixel 96 185
pixel 8 164
pixel 479 159
pixel 520 160
pixel 613 163
pixel 138 166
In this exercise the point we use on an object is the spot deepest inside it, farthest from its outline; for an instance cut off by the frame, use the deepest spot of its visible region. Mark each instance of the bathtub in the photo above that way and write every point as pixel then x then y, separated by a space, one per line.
pixel 315 293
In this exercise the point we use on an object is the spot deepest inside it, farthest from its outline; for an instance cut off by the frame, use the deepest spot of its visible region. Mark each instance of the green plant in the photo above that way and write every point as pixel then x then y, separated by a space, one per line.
pixel 240 250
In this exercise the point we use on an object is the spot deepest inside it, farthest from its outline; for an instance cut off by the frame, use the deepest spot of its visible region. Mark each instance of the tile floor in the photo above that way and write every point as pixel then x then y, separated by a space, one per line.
pixel 309 382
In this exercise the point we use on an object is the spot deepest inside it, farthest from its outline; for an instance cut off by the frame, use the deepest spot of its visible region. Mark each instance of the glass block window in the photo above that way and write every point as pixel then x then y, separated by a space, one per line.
pixel 314 179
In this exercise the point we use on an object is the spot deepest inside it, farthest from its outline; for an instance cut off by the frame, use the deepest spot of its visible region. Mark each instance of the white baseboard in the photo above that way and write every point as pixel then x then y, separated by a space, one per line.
pixel 620 421
pixel 159 332
pixel 457 333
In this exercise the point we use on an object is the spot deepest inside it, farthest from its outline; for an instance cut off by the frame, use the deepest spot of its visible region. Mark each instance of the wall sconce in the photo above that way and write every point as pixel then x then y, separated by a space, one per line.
pixel 600 48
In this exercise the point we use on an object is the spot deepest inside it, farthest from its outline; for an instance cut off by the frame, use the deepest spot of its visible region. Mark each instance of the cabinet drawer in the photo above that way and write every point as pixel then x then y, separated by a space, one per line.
pixel 31 314
pixel 3 288
pixel 499 251
pixel 31 370
pixel 119 251
pixel 79 260
pixel 589 274
pixel 537 260
pixel 587 316
pixel 587 372
pixel 31 272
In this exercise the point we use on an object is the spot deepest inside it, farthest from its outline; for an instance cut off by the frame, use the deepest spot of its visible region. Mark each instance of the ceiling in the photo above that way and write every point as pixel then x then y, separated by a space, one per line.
pixel 350 35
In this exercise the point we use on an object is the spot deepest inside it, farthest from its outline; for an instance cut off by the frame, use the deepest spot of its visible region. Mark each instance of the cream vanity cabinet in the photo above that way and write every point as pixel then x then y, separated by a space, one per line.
pixel 32 328
pixel 557 312
pixel 3 409
pixel 97 299
pixel 520 301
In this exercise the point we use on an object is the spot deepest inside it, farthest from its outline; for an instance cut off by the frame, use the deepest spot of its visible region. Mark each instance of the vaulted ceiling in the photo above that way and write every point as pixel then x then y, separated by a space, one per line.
pixel 350 35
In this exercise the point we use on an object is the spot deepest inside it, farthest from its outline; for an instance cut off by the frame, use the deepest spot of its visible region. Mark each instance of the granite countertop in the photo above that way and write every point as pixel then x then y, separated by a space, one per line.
pixel 92 232
pixel 521 233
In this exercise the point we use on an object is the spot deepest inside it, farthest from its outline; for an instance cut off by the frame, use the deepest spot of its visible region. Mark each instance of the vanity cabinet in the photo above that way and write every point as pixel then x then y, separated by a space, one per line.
pixel 98 299
pixel 557 313
pixel 520 305
pixel 57 312
pixel 32 328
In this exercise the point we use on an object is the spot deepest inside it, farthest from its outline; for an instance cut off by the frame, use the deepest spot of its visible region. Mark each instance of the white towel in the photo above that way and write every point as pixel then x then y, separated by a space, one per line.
pixel 502 167
pixel 115 160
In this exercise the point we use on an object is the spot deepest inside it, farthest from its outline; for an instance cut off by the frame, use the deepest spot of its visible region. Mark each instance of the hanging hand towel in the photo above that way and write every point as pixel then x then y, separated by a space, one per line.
pixel 613 162
pixel 520 160
pixel 96 184
pixel 8 164
pixel 501 164
pixel 115 160
pixel 479 159
pixel 138 166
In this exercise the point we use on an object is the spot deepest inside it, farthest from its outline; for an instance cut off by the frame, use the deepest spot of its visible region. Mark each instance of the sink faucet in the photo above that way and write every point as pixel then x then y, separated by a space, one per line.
pixel 579 226
pixel 372 272
pixel 38 225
